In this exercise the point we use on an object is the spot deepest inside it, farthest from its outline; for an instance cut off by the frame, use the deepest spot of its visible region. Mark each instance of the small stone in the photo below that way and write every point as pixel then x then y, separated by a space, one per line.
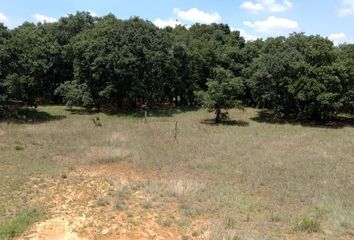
pixel 105 231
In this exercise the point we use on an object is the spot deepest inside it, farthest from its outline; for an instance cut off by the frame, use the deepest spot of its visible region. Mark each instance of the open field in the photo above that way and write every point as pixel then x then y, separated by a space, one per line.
pixel 250 179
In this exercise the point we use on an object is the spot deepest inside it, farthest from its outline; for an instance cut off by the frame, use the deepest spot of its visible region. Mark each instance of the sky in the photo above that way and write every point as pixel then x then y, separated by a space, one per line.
pixel 253 18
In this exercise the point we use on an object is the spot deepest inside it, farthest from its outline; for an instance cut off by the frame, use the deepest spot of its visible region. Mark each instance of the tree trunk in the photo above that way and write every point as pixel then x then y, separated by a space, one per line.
pixel 218 113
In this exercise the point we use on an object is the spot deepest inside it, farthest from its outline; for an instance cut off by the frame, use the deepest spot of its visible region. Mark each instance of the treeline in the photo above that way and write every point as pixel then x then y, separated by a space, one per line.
pixel 107 62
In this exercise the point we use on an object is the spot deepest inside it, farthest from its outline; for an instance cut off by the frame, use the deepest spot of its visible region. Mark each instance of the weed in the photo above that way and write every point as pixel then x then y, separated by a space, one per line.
pixel 230 223
pixel 123 192
pixel 119 206
pixel 167 223
pixel 71 168
pixel 102 202
pixel 274 217
pixel 147 203
pixel 184 222
pixel 307 224
pixel 19 148
pixel 18 224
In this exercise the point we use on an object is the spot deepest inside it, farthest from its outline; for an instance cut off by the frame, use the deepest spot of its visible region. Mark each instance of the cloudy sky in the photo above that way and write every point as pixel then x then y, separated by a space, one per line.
pixel 254 18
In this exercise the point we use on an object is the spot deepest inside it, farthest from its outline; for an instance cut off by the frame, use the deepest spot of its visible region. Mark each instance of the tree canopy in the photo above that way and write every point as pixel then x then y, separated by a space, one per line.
pixel 98 62
pixel 224 90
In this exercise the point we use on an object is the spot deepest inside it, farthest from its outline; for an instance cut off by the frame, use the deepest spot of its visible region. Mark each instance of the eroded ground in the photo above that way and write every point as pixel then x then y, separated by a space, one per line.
pixel 107 202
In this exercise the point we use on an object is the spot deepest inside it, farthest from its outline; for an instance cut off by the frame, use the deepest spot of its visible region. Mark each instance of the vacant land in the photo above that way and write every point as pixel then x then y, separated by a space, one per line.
pixel 62 177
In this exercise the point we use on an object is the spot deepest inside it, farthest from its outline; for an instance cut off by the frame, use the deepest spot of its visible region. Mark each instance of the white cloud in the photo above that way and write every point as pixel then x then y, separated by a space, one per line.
pixel 43 18
pixel 247 36
pixel 3 18
pixel 347 8
pixel 166 23
pixel 244 34
pixel 274 25
pixel 253 7
pixel 269 5
pixel 93 14
pixel 196 15
pixel 339 38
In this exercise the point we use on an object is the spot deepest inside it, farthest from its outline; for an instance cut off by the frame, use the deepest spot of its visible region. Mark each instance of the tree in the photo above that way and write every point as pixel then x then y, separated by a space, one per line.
pixel 4 61
pixel 297 76
pixel 345 72
pixel 224 91
pixel 95 54
pixel 75 94
pixel 30 54
pixel 99 62
pixel 270 73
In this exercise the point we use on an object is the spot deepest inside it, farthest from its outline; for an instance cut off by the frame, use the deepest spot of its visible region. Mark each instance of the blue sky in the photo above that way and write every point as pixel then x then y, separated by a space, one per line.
pixel 254 18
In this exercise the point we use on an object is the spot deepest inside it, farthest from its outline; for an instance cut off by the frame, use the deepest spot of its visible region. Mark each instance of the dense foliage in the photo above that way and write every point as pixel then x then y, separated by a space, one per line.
pixel 224 91
pixel 106 62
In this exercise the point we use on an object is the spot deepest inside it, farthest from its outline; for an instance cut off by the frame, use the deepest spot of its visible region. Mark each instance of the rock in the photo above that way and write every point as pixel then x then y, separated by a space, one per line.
pixel 106 231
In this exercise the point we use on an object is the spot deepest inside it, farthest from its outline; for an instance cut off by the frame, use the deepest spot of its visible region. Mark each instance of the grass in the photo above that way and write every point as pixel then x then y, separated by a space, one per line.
pixel 308 225
pixel 102 202
pixel 18 224
pixel 19 148
pixel 260 174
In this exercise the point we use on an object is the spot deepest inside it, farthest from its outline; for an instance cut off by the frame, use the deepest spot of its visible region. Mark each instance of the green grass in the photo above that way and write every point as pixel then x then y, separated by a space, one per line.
pixel 307 224
pixel 18 224
pixel 19 148
pixel 247 171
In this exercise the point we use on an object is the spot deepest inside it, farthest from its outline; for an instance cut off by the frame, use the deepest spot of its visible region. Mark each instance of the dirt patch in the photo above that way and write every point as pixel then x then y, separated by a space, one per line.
pixel 123 171
pixel 104 202
pixel 54 229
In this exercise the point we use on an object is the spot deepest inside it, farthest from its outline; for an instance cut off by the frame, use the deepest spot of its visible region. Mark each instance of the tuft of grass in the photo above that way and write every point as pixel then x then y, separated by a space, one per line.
pixel 184 222
pixel 230 223
pixel 167 223
pixel 274 217
pixel 102 202
pixel 123 192
pixel 307 224
pixel 147 203
pixel 119 206
pixel 19 148
pixel 71 168
pixel 19 224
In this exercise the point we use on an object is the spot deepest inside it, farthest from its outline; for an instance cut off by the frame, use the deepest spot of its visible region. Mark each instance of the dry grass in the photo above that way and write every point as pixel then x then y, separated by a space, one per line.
pixel 263 176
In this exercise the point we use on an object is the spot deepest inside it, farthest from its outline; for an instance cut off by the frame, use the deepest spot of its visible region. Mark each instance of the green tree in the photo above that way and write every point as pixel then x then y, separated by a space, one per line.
pixel 224 91
pixel 297 76
pixel 345 72
pixel 4 61
pixel 30 54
